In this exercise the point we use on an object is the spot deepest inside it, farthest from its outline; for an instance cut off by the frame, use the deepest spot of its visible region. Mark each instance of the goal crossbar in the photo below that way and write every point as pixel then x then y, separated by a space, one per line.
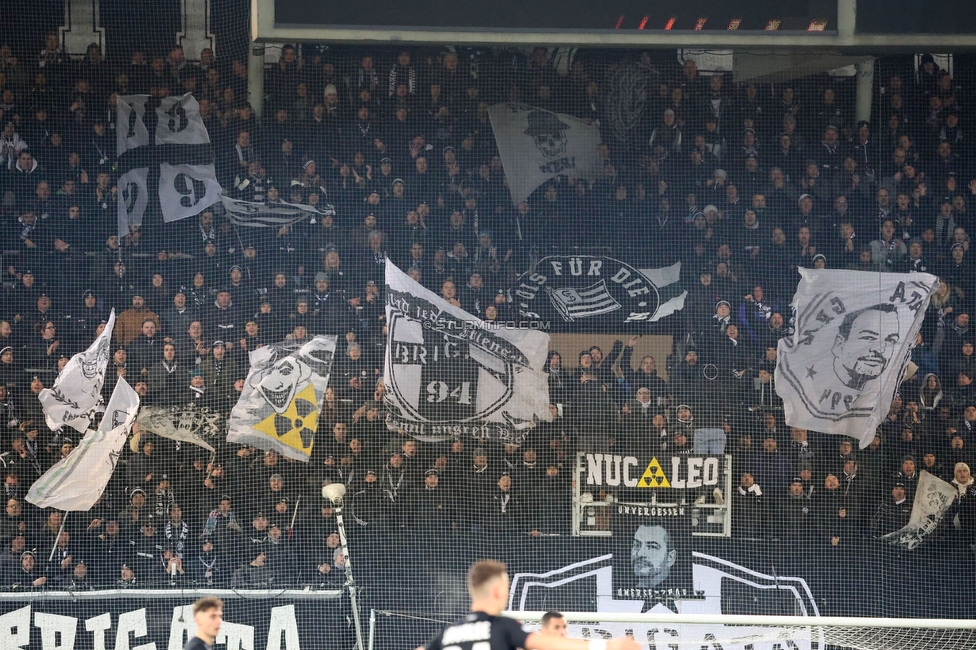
pixel 722 619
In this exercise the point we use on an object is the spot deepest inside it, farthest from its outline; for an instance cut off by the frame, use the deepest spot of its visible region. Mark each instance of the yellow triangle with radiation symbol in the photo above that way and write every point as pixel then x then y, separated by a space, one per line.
pixel 653 476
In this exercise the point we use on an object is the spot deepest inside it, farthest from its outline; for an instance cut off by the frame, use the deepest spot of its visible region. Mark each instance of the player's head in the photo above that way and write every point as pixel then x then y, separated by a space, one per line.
pixel 553 624
pixel 488 586
pixel 651 555
pixel 865 344
pixel 208 614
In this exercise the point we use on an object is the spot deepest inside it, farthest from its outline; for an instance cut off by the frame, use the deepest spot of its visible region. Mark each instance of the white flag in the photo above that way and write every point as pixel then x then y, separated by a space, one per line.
pixel 448 373
pixel 179 121
pixel 76 482
pixel 536 145
pixel 854 334
pixel 133 198
pixel 78 389
pixel 186 190
pixel 131 132
pixel 279 406
pixel 185 423
pixel 933 497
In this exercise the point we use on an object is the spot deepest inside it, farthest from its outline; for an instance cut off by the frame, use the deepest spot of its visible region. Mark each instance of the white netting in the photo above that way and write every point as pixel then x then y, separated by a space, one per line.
pixel 682 632
pixel 543 189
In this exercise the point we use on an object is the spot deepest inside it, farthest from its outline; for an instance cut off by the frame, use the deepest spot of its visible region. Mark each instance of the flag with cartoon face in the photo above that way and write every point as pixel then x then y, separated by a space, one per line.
pixel 854 333
pixel 77 391
pixel 279 406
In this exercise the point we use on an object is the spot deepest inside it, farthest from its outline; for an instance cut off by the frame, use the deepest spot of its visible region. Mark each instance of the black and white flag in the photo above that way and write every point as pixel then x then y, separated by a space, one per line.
pixel 178 121
pixel 131 132
pixel 854 333
pixel 449 374
pixel 77 391
pixel 165 159
pixel 537 145
pixel 581 290
pixel 279 406
pixel 197 425
pixel 185 190
pixel 76 482
pixel 133 198
pixel 933 498
pixel 270 215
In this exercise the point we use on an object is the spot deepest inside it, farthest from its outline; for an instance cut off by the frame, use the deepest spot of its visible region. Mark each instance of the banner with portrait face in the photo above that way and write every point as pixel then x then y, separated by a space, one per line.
pixel 652 553
pixel 854 333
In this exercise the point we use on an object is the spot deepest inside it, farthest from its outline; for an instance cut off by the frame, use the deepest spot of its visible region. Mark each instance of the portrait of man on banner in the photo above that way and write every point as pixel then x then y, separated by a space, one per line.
pixel 652 554
pixel 854 334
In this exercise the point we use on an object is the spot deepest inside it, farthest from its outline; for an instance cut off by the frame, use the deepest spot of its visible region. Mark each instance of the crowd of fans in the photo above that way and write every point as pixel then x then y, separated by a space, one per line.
pixel 741 183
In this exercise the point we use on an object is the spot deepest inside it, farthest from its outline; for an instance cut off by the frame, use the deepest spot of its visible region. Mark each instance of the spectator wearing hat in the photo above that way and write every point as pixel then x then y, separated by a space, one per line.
pixel 962 515
pixel 81 578
pixel 713 331
pixel 503 508
pixel 177 317
pixel 372 501
pixel 86 315
pixel 127 576
pixel 434 506
pixel 208 567
pixel 223 318
pixel 197 392
pixel 908 475
pixel 667 136
pixel 331 313
pixel 147 546
pixel 893 512
pixel 30 574
pixel 220 371
pixel 957 270
pixel 255 538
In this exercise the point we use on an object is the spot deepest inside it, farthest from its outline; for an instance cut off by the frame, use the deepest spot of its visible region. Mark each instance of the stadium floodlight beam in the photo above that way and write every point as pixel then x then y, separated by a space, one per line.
pixel 335 492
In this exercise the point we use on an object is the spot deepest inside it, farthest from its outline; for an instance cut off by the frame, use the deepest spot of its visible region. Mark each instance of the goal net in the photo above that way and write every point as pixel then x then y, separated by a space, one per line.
pixel 717 632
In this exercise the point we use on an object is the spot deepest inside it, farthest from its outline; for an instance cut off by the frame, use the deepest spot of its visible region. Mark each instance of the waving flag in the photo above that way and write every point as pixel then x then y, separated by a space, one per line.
pixel 854 333
pixel 537 145
pixel 269 215
pixel 933 498
pixel 598 292
pixel 197 425
pixel 164 159
pixel 279 406
pixel 76 482
pixel 448 373
pixel 77 390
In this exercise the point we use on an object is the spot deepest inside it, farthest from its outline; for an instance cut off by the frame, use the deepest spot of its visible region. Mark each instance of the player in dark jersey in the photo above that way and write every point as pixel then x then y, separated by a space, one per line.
pixel 208 614
pixel 485 629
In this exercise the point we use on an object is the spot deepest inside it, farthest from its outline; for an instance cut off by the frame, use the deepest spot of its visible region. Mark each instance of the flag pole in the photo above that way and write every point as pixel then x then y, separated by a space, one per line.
pixel 64 520
pixel 294 515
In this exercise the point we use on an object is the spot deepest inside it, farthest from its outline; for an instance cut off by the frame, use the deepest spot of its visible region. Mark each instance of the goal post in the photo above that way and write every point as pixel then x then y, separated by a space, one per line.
pixel 752 632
